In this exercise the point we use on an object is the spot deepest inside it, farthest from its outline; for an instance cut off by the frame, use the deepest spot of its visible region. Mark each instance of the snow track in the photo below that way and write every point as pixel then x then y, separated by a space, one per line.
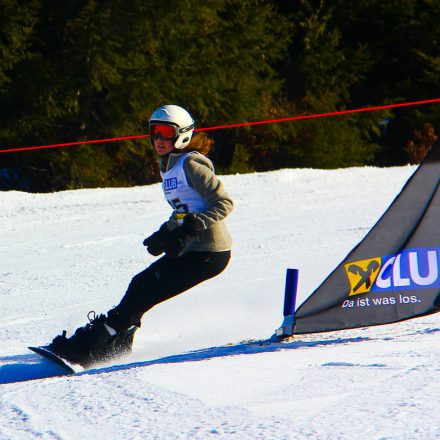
pixel 189 377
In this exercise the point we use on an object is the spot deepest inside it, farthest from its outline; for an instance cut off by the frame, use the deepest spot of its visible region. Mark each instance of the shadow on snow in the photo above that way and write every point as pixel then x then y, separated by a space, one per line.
pixel 243 348
pixel 19 368
pixel 26 367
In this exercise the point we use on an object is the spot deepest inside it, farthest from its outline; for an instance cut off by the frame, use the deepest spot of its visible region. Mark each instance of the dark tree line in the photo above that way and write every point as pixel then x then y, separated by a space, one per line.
pixel 89 69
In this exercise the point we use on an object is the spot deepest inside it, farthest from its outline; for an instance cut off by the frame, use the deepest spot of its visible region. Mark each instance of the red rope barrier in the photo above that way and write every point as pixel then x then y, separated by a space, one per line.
pixel 72 144
pixel 222 127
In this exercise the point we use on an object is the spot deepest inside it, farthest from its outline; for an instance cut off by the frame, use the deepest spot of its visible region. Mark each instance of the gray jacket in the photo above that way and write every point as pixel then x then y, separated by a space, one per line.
pixel 200 175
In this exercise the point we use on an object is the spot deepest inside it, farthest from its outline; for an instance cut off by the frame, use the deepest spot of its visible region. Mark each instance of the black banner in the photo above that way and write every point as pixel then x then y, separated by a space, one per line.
pixel 394 272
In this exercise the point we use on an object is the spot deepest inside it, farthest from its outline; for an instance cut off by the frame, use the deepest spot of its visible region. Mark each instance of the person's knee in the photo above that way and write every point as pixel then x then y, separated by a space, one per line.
pixel 140 282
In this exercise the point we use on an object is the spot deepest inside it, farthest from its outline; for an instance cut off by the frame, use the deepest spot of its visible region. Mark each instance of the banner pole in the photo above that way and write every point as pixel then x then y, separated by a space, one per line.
pixel 290 293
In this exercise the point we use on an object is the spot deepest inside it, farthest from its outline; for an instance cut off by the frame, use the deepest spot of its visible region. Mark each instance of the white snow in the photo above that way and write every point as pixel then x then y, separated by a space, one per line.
pixel 67 253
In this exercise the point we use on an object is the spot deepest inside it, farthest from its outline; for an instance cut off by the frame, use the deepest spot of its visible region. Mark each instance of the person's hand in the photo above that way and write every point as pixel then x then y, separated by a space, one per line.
pixel 179 237
pixel 155 243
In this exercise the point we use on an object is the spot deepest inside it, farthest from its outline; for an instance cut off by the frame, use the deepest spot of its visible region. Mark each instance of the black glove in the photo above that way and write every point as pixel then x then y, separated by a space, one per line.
pixel 156 242
pixel 179 237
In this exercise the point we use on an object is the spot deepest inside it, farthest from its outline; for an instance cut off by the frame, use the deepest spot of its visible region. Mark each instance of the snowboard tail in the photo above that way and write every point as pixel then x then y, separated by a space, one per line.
pixel 47 354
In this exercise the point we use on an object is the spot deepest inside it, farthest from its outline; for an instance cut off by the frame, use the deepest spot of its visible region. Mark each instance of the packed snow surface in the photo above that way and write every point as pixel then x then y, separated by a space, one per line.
pixel 190 375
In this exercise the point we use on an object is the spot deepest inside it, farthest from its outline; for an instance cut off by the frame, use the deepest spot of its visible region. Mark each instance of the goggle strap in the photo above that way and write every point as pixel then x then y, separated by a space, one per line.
pixel 186 129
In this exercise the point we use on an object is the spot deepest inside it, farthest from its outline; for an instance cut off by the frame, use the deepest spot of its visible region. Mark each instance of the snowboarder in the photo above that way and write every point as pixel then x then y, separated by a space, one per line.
pixel 195 241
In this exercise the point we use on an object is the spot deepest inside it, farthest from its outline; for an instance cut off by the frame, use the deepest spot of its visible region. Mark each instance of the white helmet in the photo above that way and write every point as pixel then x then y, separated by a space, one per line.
pixel 172 122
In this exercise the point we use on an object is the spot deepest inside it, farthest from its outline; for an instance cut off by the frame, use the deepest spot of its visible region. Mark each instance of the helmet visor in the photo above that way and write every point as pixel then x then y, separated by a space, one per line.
pixel 164 131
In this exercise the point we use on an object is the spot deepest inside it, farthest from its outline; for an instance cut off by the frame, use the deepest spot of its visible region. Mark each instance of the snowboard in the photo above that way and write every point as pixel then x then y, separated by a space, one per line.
pixel 47 354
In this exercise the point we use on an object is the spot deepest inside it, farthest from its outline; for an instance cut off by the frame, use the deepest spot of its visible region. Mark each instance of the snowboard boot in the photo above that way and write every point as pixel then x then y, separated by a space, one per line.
pixel 122 343
pixel 125 330
pixel 93 343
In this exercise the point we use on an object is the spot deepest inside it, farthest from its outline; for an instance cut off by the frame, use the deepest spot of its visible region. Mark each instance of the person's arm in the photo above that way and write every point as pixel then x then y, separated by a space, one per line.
pixel 200 174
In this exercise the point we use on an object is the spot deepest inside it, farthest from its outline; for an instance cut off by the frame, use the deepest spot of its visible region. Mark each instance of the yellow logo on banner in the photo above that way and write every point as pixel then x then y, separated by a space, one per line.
pixel 362 274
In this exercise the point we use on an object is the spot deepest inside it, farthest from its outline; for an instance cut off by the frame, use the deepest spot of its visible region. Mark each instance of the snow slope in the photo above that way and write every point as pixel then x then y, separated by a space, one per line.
pixel 67 253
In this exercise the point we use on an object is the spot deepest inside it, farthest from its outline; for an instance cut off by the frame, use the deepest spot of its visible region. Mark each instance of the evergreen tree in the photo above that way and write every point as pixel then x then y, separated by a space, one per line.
pixel 98 69
pixel 320 73
pixel 17 21
pixel 89 69
pixel 401 41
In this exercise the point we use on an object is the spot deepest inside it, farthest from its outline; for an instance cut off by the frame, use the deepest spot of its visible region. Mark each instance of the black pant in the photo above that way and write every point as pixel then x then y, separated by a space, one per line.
pixel 164 279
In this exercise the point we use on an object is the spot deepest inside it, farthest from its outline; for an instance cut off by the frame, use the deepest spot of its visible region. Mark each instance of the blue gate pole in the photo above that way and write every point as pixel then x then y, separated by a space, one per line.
pixel 290 292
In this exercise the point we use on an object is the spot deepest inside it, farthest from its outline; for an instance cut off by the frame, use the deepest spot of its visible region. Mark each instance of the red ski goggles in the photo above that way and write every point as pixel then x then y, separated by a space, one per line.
pixel 164 131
